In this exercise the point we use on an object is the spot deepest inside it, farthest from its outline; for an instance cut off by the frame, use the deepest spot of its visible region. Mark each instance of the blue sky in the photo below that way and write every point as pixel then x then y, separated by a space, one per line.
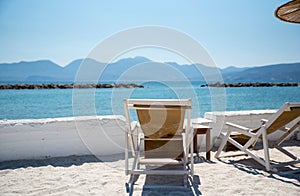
pixel 234 32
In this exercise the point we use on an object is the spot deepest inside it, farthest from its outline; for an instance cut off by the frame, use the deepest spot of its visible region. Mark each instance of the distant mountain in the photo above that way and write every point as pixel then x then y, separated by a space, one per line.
pixel 24 71
pixel 195 72
pixel 88 65
pixel 269 73
pixel 114 71
pixel 233 69
pixel 73 67
pixel 45 71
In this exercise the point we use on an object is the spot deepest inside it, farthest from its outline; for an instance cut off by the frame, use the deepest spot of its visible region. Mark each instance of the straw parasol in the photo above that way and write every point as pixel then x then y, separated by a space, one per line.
pixel 289 12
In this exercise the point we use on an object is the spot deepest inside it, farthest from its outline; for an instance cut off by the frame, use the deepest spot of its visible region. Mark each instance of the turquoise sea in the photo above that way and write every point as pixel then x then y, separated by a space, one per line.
pixel 50 103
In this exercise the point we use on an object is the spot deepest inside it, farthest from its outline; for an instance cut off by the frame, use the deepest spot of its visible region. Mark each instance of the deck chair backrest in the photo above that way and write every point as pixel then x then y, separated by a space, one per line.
pixel 286 114
pixel 159 122
pixel 160 118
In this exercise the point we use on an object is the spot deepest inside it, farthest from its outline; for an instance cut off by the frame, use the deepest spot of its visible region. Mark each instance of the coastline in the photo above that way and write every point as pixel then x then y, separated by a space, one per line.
pixel 256 84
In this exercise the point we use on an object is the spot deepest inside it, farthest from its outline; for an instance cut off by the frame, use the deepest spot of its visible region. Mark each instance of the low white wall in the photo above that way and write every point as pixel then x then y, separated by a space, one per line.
pixel 42 138
pixel 100 136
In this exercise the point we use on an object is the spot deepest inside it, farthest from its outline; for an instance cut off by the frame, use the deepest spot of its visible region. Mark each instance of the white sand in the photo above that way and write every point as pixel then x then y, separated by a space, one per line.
pixel 85 175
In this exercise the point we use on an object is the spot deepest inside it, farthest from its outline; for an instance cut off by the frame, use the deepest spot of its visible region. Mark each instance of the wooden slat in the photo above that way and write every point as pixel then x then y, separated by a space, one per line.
pixel 160 161
pixel 160 172
pixel 156 107
pixel 175 137
pixel 166 102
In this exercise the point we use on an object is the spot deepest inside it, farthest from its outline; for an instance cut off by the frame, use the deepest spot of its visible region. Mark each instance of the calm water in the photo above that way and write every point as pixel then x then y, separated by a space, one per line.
pixel 43 103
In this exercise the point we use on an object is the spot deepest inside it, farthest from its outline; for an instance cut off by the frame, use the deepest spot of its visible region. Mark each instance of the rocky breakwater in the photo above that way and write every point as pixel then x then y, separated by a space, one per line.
pixel 66 86
pixel 257 84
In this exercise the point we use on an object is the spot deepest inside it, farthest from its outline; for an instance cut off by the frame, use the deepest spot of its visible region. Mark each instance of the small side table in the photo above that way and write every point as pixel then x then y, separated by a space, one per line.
pixel 202 129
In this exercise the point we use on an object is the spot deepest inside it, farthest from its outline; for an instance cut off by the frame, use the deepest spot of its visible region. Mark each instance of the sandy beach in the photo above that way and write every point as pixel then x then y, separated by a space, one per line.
pixel 87 175
pixel 92 91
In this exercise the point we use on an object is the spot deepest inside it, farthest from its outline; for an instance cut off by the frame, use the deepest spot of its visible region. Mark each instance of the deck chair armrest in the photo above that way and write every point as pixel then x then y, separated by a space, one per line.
pixel 263 121
pixel 241 129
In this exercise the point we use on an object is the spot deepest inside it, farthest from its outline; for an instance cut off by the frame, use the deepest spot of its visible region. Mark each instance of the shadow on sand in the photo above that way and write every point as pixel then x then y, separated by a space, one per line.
pixel 286 174
pixel 169 184
pixel 59 161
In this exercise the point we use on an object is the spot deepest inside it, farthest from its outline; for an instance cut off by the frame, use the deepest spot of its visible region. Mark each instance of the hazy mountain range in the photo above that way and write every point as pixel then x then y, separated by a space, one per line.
pixel 45 71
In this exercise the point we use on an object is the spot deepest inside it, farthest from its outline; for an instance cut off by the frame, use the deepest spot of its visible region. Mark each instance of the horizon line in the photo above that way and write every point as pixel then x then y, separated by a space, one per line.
pixel 133 57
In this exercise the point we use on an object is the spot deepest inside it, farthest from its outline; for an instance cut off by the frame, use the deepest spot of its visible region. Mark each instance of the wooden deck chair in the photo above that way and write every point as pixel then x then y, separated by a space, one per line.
pixel 160 122
pixel 288 113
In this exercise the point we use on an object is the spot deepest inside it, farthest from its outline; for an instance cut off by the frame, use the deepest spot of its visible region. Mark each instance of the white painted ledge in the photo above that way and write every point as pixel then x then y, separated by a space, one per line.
pixel 94 135
pixel 54 137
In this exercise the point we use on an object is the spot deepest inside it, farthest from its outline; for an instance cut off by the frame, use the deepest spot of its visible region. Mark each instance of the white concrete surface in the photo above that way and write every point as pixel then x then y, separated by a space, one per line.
pixel 42 138
pixel 100 136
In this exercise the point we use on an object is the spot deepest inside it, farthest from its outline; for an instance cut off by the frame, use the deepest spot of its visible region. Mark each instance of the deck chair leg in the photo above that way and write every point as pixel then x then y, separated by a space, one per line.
pixel 130 184
pixel 288 133
pixel 266 149
pixel 223 143
pixel 192 154
pixel 286 152
pixel 283 137
pixel 126 155
pixel 185 181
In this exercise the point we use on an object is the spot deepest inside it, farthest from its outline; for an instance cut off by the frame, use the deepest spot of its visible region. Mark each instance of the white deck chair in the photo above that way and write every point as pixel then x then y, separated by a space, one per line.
pixel 161 123
pixel 288 113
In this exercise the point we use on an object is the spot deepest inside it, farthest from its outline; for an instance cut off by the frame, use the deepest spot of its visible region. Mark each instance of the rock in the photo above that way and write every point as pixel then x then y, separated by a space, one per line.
pixel 65 86
pixel 257 84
